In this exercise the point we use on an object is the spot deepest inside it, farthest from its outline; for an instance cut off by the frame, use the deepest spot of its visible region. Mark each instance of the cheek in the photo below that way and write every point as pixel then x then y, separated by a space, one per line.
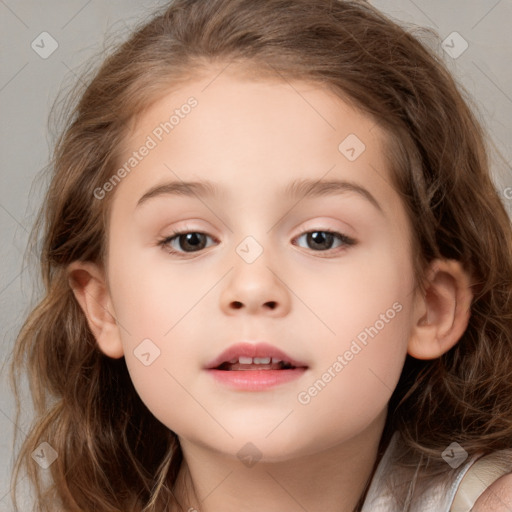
pixel 368 308
pixel 159 317
pixel 346 395
pixel 362 296
pixel 358 373
pixel 152 298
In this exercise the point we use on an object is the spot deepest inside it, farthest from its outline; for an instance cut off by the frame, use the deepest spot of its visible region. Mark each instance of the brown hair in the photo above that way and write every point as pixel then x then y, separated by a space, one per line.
pixel 126 460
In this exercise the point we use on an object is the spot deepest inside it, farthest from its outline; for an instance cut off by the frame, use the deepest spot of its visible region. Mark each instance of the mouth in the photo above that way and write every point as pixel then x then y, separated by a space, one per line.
pixel 254 367
pixel 256 363
pixel 254 357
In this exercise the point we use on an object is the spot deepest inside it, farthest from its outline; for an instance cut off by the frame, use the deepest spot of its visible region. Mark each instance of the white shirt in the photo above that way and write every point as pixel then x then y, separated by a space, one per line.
pixel 437 496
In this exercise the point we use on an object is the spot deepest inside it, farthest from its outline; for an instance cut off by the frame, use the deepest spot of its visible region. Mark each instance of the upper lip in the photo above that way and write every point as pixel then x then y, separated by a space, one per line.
pixel 246 349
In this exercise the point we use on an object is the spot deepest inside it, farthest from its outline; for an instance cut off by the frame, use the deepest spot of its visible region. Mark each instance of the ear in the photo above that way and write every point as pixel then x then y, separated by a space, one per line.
pixel 442 314
pixel 89 286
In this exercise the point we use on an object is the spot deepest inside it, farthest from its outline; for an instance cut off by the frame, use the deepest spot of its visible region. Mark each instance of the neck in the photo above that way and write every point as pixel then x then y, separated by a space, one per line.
pixel 332 480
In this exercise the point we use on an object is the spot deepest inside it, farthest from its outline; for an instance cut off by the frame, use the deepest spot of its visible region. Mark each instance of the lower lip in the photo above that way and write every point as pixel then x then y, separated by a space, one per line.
pixel 255 380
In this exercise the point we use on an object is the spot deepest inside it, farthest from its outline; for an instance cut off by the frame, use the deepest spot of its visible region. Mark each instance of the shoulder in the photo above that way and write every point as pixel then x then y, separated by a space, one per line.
pixel 497 497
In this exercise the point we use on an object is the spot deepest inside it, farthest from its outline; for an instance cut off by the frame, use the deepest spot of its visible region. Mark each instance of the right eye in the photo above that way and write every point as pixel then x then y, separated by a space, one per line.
pixel 185 240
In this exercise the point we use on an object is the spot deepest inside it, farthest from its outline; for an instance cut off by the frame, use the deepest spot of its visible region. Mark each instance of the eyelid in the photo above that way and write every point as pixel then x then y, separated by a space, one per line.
pixel 326 225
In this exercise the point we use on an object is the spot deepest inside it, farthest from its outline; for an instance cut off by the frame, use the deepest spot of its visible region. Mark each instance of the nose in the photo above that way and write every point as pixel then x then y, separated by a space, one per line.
pixel 255 288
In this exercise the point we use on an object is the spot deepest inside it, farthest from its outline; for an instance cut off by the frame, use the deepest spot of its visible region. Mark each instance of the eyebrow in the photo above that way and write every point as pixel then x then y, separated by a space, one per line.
pixel 302 188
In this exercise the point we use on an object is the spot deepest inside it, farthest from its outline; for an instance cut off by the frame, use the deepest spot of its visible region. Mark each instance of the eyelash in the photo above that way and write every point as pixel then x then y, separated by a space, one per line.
pixel 164 242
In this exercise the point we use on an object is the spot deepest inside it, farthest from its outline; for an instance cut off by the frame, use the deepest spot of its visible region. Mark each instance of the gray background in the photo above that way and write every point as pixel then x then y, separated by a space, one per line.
pixel 29 85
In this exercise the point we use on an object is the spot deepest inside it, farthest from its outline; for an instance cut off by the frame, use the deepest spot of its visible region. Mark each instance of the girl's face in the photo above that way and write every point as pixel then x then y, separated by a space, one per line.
pixel 259 265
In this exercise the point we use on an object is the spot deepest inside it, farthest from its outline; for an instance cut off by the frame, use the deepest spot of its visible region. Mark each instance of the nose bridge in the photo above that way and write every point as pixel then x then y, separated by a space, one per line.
pixel 254 284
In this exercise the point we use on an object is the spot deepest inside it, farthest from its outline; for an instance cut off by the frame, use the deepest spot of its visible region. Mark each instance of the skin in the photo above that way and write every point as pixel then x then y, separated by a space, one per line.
pixel 498 497
pixel 253 138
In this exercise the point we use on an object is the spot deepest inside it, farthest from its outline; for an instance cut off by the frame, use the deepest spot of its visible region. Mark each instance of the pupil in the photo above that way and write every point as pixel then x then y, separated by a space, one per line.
pixel 192 240
pixel 321 237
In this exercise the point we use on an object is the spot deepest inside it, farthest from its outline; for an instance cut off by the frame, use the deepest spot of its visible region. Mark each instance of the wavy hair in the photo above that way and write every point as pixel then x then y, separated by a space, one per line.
pixel 113 454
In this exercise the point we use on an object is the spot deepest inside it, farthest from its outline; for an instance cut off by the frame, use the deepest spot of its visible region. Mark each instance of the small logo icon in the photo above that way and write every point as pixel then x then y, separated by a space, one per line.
pixel 455 45
pixel 44 45
pixel 44 455
pixel 351 147
pixel 249 454
pixel 454 455
pixel 249 249
pixel 146 352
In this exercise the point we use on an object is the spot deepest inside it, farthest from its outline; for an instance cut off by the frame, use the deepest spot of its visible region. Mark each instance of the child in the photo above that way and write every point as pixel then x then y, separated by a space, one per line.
pixel 198 348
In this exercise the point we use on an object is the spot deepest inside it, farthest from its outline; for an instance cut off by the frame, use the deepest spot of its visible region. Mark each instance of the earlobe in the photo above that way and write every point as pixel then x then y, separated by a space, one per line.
pixel 88 283
pixel 442 314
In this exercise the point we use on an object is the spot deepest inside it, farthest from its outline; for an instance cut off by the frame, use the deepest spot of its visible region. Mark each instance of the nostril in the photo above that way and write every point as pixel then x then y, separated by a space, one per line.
pixel 271 304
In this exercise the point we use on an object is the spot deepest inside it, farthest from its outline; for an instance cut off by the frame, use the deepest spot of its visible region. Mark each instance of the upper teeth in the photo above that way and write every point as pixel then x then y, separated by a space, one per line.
pixel 255 360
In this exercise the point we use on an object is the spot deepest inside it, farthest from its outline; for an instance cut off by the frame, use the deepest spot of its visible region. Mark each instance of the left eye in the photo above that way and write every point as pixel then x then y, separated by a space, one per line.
pixel 186 242
pixel 321 238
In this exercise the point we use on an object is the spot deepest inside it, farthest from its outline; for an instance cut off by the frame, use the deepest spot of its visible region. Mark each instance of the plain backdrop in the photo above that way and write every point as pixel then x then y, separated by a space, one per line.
pixel 29 84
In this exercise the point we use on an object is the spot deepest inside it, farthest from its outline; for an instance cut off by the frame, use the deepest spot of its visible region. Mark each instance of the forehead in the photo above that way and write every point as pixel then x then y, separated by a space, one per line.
pixel 230 129
pixel 231 96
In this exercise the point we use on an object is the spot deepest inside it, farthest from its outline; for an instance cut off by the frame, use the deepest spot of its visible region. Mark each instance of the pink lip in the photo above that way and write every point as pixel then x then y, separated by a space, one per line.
pixel 254 380
pixel 252 350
